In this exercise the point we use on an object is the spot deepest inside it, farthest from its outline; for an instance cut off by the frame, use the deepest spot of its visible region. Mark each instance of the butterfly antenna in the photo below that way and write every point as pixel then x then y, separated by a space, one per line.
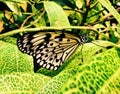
pixel 83 38
pixel 81 52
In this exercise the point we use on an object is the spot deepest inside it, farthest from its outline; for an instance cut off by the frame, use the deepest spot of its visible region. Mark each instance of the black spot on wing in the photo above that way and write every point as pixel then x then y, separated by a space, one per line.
pixel 47 38
pixel 60 39
pixel 51 44
pixel 68 40
pixel 62 35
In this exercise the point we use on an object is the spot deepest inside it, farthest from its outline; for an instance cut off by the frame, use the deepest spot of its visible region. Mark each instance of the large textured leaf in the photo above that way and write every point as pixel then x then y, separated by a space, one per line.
pixel 21 83
pixel 101 75
pixel 12 60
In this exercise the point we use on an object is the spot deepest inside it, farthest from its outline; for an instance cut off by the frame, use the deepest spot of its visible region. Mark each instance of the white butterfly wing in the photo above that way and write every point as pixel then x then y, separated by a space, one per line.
pixel 49 49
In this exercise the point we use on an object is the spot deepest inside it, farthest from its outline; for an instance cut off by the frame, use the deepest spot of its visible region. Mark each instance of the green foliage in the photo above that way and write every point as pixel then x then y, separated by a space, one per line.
pixel 99 75
pixel 12 60
pixel 22 83
pixel 54 18
pixel 94 69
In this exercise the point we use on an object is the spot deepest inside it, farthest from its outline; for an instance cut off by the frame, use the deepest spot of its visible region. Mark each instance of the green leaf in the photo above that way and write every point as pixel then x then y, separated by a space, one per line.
pixel 16 1
pixel 12 60
pixel 9 40
pixel 56 83
pixel 56 14
pixel 79 3
pixel 14 7
pixel 22 83
pixel 100 75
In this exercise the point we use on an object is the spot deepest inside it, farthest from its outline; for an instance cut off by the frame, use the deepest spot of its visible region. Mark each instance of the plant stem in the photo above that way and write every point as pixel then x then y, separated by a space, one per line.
pixel 21 30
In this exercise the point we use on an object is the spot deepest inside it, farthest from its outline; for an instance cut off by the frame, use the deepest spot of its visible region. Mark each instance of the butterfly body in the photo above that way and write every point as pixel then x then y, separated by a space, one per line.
pixel 49 49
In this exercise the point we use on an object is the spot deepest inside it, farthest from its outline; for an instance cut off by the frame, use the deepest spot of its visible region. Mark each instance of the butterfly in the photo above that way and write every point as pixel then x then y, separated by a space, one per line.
pixel 50 49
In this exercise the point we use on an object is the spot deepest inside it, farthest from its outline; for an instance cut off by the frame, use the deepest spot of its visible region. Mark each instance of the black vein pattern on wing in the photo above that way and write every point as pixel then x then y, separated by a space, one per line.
pixel 56 57
pixel 49 50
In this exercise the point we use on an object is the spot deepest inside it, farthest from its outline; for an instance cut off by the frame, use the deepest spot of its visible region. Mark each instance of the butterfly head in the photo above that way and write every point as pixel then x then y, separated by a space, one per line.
pixel 83 38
